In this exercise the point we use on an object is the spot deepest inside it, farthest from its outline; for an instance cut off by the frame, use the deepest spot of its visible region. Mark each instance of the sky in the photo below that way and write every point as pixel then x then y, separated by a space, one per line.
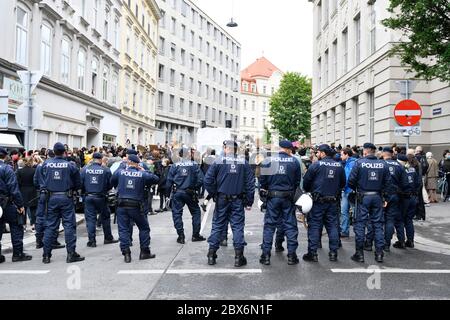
pixel 279 29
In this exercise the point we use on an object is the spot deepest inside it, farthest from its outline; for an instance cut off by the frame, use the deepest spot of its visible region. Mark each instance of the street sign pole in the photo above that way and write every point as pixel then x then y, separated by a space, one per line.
pixel 407 97
pixel 30 114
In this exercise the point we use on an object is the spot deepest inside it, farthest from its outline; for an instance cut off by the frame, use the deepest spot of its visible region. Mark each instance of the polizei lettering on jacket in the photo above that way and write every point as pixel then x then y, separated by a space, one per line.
pixel 278 159
pixel 93 171
pixel 370 165
pixel 231 159
pixel 131 174
pixel 184 164
pixel 330 164
pixel 58 165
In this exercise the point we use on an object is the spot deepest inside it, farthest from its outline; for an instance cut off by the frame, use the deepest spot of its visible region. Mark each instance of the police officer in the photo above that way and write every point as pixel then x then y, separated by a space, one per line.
pixel 95 184
pixel 232 183
pixel 325 180
pixel 408 201
pixel 371 180
pixel 184 179
pixel 13 212
pixel 60 179
pixel 130 184
pixel 392 210
pixel 280 177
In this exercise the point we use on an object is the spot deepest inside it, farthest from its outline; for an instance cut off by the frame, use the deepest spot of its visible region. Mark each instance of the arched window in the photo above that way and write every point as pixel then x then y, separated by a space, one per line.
pixel 46 49
pixel 22 25
pixel 105 83
pixel 81 70
pixel 65 60
pixel 94 68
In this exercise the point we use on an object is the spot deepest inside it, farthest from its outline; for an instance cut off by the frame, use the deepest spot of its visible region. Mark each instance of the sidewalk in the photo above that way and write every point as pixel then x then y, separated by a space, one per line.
pixel 436 227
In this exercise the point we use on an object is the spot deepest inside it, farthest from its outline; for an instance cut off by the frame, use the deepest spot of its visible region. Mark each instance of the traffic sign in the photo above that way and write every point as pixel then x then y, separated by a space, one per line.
pixel 407 113
pixel 408 131
pixel 22 115
pixel 30 78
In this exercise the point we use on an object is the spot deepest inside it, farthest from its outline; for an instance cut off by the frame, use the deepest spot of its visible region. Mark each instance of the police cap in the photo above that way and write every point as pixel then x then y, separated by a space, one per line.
pixel 402 157
pixel 3 151
pixel 59 147
pixel 134 158
pixel 286 144
pixel 97 155
pixel 132 151
pixel 369 145
pixel 230 144
pixel 324 148
pixel 388 149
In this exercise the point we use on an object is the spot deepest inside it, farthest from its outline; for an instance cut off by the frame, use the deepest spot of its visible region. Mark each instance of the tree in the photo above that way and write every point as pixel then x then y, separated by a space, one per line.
pixel 267 137
pixel 427 25
pixel 290 106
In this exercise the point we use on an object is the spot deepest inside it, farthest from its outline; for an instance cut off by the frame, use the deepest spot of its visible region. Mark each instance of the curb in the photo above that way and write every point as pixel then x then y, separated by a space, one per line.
pixel 7 247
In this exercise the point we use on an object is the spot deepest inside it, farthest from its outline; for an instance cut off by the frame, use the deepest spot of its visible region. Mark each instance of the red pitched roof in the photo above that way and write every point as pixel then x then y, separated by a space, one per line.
pixel 260 68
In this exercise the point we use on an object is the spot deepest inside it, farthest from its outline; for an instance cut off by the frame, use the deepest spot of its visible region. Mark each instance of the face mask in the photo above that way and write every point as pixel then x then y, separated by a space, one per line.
pixel 448 157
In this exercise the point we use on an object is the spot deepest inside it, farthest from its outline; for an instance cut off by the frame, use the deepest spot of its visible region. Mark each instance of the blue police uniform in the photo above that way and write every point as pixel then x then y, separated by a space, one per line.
pixel 185 177
pixel 325 180
pixel 408 203
pixel 59 179
pixel 280 176
pixel 40 210
pixel 10 201
pixel 232 183
pixel 130 184
pixel 370 177
pixel 96 182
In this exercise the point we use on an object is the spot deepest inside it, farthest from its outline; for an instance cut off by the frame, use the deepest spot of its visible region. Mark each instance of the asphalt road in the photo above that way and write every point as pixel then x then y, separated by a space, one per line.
pixel 181 271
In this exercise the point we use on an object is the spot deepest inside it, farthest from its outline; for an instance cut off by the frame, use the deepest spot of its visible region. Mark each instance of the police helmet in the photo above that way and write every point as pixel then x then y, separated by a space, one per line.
pixel 305 203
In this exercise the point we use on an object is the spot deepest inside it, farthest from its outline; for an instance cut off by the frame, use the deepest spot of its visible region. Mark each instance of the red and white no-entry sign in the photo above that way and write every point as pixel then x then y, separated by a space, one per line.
pixel 407 113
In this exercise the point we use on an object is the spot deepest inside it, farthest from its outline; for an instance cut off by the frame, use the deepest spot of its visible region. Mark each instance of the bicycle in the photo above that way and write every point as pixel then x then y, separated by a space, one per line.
pixel 443 185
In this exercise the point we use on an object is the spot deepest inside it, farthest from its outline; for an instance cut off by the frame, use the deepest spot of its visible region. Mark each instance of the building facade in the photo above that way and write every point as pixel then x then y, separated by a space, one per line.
pixel 198 73
pixel 138 78
pixel 355 80
pixel 76 45
pixel 259 82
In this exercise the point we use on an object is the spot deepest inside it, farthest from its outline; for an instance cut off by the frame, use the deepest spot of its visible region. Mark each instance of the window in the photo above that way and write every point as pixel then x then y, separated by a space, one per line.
pixel 215 54
pixel 182 80
pixel 220 117
pixel 326 64
pixel 373 29
pixel 22 37
pixel 192 38
pixel 194 16
pixel 356 120
pixel 345 51
pixel 142 54
pixel 172 77
pixel 65 60
pixel 326 13
pixel 95 12
pixel 191 108
pixel 245 104
pixel 253 105
pixel 200 44
pixel 206 113
pixel 184 8
pixel 253 122
pixel 208 69
pixel 335 60
pixel 208 49
pixel 191 85
pixel 46 49
pixel 105 83
pixel 115 80
pixel 319 72
pixel 319 16
pixel 371 107
pixel 207 92
pixel 183 57
pixel 106 26
pixel 213 115
pixel 141 99
pixel 173 26
pixel 183 32
pixel 162 45
pixel 244 122
pixel 181 106
pixel 116 33
pixel 264 89
pixel 245 85
pixel 94 68
pixel 199 110
pixel 192 62
pixel 162 21
pixel 172 103
pixel 200 66
pixel 126 97
pixel 83 8
pixel 160 99
pixel 357 23
pixel 199 89
pixel 253 87
pixel 264 106
pixel 173 51
pixel 137 12
pixel 161 73
pixel 81 69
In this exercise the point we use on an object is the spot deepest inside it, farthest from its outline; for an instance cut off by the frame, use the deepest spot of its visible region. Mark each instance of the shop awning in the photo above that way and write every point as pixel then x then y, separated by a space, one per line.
pixel 9 141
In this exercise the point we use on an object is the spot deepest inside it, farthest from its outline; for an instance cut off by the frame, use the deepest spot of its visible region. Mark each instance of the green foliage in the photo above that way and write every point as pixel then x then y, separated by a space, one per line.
pixel 427 25
pixel 267 138
pixel 290 106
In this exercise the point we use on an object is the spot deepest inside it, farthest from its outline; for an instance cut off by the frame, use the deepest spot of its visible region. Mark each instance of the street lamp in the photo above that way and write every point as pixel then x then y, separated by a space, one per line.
pixel 232 23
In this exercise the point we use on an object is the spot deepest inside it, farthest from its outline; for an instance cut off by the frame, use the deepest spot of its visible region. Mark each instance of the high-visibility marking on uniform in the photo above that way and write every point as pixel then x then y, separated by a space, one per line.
pixel 391 270
pixel 407 113
pixel 24 271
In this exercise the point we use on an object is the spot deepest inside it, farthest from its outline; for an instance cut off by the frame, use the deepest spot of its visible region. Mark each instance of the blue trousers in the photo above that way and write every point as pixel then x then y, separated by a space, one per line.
pixel 392 214
pixel 345 214
pixel 323 214
pixel 405 222
pixel 228 211
pixel 10 216
pixel 370 210
pixel 125 217
pixel 179 200
pixel 60 207
pixel 280 209
pixel 92 206
pixel 40 219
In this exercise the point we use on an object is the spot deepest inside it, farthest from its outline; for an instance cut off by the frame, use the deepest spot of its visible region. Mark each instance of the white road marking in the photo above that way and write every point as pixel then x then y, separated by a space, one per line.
pixel 408 113
pixel 141 272
pixel 24 271
pixel 212 271
pixel 205 217
pixel 392 270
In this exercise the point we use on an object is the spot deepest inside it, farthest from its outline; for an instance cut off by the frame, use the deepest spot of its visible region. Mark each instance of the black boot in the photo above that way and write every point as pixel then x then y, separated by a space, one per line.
pixel 110 241
pixel 181 239
pixel 21 257
pixel 46 258
pixel 146 254
pixel 367 246
pixel 292 259
pixel 239 259
pixel 58 245
pixel 126 255
pixel 92 244
pixel 212 256
pixel 399 245
pixel 387 248
pixel 224 243
pixel 358 256
pixel 333 256
pixel 379 257
pixel 409 244
pixel 265 259
pixel 279 247
pixel 74 257
pixel 39 244
pixel 311 257
pixel 198 238
pixel 340 243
